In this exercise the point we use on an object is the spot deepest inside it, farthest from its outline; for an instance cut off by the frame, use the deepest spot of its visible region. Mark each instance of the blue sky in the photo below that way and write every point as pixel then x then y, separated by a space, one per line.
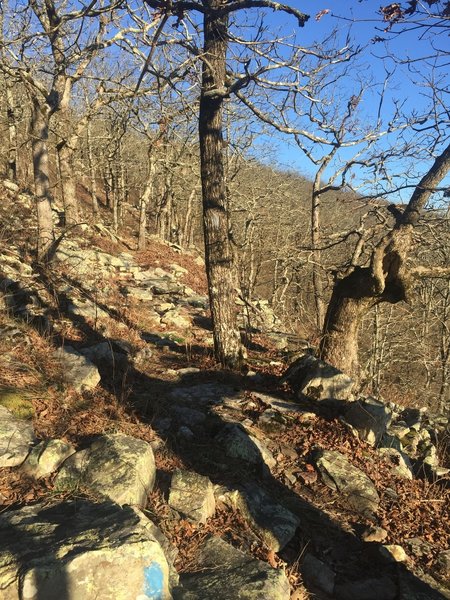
pixel 407 84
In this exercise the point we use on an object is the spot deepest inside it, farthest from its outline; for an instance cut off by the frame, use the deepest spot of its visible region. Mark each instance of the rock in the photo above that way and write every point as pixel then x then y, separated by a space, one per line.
pixel 374 534
pixel 369 417
pixel 16 439
pixel 228 574
pixel 274 524
pixel 192 495
pixel 104 353
pixel 188 416
pixel 282 406
pixel 79 371
pixel 117 466
pixel 173 318
pixel 400 464
pixel 46 458
pixel 311 377
pixel 394 553
pixel 339 474
pixel 18 404
pixel 442 566
pixel 139 293
pixel 382 588
pixel 237 443
pixel 203 394
pixel 318 574
pixel 10 185
pixel 87 310
pixel 81 551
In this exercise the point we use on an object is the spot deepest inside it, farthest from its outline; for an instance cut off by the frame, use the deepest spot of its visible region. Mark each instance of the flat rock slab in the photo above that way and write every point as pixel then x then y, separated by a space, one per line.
pixel 117 466
pixel 192 495
pixel 369 418
pixel 46 458
pixel 228 574
pixel 340 475
pixel 316 379
pixel 16 439
pixel 79 371
pixel 237 443
pixel 203 394
pixel 382 588
pixel 272 522
pixel 81 551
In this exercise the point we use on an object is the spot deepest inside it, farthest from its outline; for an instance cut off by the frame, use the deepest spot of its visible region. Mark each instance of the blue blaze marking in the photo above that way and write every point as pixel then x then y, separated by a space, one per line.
pixel 153 582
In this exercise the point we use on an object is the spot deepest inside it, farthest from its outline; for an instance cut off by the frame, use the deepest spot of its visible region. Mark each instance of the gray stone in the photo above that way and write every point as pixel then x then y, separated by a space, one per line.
pixel 273 523
pixel 46 458
pixel 202 394
pixel 400 464
pixel 173 318
pixel 16 439
pixel 79 371
pixel 228 574
pixel 339 474
pixel 374 534
pixel 117 466
pixel 282 406
pixel 316 573
pixel 382 588
pixel 394 553
pixel 237 443
pixel 104 352
pixel 369 417
pixel 140 293
pixel 311 377
pixel 87 310
pixel 81 551
pixel 192 495
pixel 188 416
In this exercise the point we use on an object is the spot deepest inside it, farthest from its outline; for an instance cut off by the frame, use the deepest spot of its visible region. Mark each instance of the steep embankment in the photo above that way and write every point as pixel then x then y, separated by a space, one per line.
pixel 110 397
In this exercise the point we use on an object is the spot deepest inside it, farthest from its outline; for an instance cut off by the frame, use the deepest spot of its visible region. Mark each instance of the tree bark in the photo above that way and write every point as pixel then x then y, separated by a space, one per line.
pixel 387 279
pixel 145 198
pixel 39 138
pixel 218 251
pixel 68 183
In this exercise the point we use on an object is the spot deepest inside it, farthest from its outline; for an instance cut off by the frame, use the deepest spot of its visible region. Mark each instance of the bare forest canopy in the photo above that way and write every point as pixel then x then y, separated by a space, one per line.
pixel 162 120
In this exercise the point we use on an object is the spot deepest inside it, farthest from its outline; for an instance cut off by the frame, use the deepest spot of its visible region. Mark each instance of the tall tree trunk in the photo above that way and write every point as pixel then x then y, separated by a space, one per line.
pixel 218 251
pixel 39 139
pixel 387 279
pixel 145 198
pixel 317 256
pixel 68 184
pixel 92 169
pixel 12 132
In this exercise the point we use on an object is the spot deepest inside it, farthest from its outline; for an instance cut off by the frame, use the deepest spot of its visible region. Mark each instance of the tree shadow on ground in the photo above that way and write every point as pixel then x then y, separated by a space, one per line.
pixel 154 399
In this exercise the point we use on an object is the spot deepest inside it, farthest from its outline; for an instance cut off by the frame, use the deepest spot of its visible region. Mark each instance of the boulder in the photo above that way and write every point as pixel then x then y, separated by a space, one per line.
pixel 81 551
pixel 273 523
pixel 16 439
pixel 46 458
pixel 237 443
pixel 340 475
pixel 79 371
pixel 400 463
pixel 192 495
pixel 316 379
pixel 117 466
pixel 382 588
pixel 316 573
pixel 228 574
pixel 369 418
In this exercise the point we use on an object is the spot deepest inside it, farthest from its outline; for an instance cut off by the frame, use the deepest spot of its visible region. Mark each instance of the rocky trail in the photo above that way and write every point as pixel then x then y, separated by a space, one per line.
pixel 132 466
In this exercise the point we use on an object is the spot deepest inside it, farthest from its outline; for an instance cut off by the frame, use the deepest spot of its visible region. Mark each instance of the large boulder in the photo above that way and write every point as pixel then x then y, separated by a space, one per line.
pixel 81 551
pixel 369 418
pixel 79 371
pixel 239 444
pixel 228 574
pixel 16 439
pixel 340 475
pixel 273 523
pixel 311 377
pixel 192 495
pixel 117 466
pixel 46 458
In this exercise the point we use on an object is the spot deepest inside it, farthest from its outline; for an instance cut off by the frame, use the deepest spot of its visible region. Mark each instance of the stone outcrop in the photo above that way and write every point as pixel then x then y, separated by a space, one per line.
pixel 340 475
pixel 116 465
pixel 45 458
pixel 228 574
pixel 192 495
pixel 81 551
pixel 79 371
pixel 16 439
